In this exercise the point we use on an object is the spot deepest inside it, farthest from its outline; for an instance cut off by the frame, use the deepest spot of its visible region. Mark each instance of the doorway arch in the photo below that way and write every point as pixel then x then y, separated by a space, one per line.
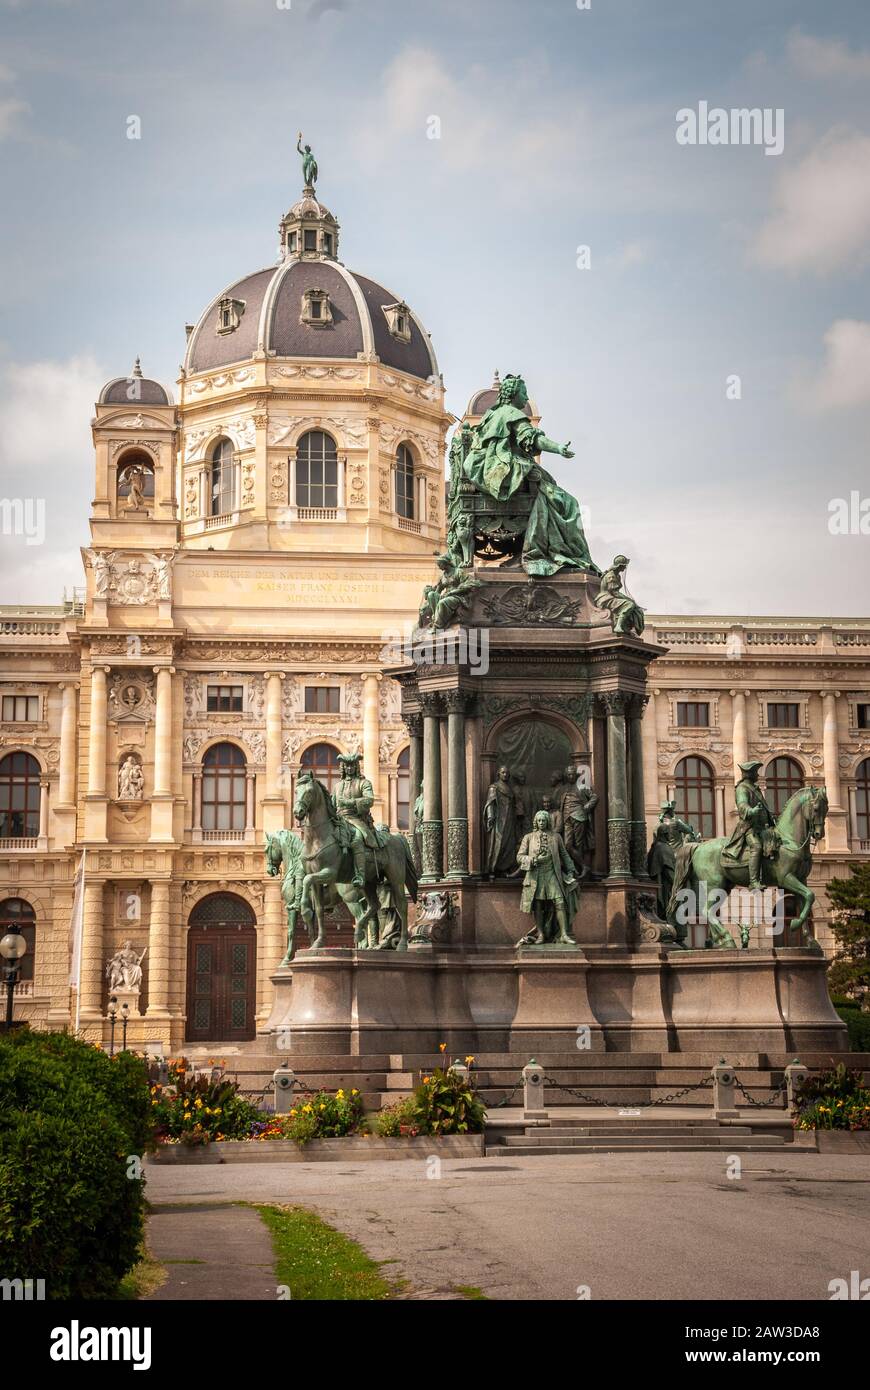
pixel 221 970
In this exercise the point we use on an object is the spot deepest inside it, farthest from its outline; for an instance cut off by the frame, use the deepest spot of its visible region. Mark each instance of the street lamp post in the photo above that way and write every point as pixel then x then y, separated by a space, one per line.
pixel 113 1014
pixel 13 948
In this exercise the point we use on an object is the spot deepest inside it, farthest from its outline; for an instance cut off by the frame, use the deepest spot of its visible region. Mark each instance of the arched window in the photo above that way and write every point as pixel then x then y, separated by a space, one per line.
pixel 782 778
pixel 18 916
pixel 223 479
pixel 316 470
pixel 135 471
pixel 223 788
pixel 862 801
pixel 693 793
pixel 19 796
pixel 405 482
pixel 322 758
pixel 403 790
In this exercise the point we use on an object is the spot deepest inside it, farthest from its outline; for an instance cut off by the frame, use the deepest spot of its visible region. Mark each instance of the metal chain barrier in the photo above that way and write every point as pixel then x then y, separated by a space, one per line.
pixel 506 1100
pixel 761 1104
pixel 632 1105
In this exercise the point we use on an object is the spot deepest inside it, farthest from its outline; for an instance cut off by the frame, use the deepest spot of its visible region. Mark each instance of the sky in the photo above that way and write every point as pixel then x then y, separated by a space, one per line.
pixel 694 317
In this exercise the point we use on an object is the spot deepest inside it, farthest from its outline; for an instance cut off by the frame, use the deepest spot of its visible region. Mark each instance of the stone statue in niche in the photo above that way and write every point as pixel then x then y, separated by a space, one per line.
pixel 131 782
pixel 124 970
pixel 500 817
pixel 134 477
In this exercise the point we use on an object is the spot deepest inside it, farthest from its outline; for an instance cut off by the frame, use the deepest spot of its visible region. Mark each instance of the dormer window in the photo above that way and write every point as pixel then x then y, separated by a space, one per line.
pixel 398 318
pixel 316 309
pixel 230 314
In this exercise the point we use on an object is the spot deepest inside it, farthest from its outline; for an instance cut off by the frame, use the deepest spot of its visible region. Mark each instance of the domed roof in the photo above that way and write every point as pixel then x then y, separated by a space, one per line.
pixel 268 308
pixel 148 392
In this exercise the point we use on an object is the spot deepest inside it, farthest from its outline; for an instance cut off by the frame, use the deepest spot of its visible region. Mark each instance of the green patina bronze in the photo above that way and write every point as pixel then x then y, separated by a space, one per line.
pixel 499 459
pixel 671 833
pixel 284 848
pixel 625 614
pixel 550 891
pixel 784 859
pixel 309 163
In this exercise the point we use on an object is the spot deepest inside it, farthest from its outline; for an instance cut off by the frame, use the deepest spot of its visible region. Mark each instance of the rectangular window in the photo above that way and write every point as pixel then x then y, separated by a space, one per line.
pixel 327 244
pixel 783 716
pixel 309 241
pixel 322 699
pixel 693 714
pixel 20 709
pixel 315 308
pixel 864 716
pixel 224 699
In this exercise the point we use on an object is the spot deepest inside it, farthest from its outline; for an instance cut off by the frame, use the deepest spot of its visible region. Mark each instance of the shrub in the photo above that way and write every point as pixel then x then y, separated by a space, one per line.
pixel 321 1115
pixel 446 1103
pixel 858 1024
pixel 71 1202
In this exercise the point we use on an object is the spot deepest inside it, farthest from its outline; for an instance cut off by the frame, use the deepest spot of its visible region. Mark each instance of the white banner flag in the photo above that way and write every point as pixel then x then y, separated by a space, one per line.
pixel 76 926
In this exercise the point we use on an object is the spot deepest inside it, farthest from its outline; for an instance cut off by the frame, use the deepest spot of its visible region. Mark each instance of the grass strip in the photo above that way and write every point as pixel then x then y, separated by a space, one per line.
pixel 316 1261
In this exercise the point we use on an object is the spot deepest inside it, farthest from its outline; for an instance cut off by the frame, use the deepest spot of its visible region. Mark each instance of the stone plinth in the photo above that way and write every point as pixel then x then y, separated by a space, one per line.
pixel 490 1000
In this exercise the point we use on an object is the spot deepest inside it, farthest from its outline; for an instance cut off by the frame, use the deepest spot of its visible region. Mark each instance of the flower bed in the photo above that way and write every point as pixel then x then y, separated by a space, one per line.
pixel 834 1100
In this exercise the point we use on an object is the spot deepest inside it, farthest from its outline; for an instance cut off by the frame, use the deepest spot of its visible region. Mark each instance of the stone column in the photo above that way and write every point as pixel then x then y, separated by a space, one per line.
pixel 836 834
pixel 414 725
pixel 273 800
pixel 739 740
pixel 637 834
pixel 273 732
pixel 372 740
pixel 618 835
pixel 649 734
pixel 250 812
pixel 67 778
pixel 97 738
pixel 457 792
pixel 433 825
pixel 196 810
pixel 93 964
pixel 43 813
pixel 158 949
pixel 273 943
pixel 163 732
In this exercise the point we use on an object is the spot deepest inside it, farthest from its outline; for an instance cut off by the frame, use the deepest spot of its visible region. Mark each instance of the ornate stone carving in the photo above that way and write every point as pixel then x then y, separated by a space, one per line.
pixel 435 912
pixel 619 846
pixel 256 742
pixel 432 839
pixel 353 699
pixel 284 653
pixel 645 927
pixel 531 603
pixel 131 696
pixel 457 845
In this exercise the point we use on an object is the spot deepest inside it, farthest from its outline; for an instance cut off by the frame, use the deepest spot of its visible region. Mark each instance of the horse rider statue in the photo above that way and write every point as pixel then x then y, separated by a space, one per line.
pixel 754 835
pixel 354 798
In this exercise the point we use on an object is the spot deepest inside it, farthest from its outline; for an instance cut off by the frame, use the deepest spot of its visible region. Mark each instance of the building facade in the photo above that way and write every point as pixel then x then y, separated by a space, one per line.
pixel 253 547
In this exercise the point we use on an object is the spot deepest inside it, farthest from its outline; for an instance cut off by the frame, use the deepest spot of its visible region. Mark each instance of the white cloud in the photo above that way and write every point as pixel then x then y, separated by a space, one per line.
pixel 844 378
pixel 821 220
pixel 827 58
pixel 46 453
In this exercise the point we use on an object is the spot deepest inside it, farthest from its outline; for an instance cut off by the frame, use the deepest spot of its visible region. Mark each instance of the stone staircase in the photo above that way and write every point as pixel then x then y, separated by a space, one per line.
pixel 621 1079
pixel 618 1134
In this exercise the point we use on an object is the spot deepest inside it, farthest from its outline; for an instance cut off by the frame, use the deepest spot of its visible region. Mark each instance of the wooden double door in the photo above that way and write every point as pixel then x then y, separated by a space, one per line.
pixel 221 971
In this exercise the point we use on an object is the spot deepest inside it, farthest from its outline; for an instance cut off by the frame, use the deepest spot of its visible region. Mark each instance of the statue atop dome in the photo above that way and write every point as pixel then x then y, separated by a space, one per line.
pixel 309 163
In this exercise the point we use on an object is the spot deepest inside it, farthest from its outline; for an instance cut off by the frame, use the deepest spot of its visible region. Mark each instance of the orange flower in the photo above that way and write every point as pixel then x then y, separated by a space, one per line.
pixel 442 1047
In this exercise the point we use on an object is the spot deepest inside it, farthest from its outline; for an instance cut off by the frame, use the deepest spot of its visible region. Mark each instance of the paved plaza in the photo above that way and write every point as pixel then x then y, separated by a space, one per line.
pixel 639 1226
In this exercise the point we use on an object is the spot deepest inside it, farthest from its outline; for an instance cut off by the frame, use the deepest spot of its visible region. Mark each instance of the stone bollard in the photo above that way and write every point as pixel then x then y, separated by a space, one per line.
pixel 795 1073
pixel 533 1092
pixel 284 1082
pixel 724 1107
pixel 460 1070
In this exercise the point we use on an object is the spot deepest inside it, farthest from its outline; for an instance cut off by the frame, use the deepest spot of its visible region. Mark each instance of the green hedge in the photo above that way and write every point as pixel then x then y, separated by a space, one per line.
pixel 71 1119
pixel 858 1024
